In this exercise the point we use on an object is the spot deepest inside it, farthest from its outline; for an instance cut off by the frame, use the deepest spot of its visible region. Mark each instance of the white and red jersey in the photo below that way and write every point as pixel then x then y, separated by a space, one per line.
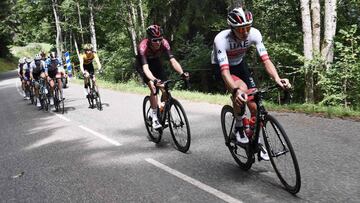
pixel 228 50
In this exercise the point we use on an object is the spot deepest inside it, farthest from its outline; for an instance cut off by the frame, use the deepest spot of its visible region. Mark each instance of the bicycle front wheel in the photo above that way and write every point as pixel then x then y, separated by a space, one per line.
pixel 179 126
pixel 243 157
pixel 155 135
pixel 282 155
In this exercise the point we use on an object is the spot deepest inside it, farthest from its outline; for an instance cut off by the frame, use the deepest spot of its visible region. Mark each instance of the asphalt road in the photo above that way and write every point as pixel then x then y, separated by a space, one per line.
pixel 88 155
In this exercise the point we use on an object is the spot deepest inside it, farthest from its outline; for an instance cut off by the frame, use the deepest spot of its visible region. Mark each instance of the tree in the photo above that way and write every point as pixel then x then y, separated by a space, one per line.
pixel 92 26
pixel 59 42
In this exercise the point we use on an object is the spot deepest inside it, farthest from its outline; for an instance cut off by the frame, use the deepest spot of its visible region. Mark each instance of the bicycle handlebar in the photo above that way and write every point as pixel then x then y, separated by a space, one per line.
pixel 287 94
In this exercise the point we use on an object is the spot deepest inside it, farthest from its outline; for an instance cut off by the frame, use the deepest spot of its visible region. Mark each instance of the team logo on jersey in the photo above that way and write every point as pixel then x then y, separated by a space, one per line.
pixel 219 52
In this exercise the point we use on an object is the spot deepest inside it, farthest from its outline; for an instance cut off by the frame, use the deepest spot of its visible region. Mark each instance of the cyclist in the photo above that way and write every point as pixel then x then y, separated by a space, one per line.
pixel 230 47
pixel 26 76
pixel 20 74
pixel 149 51
pixel 43 55
pixel 37 71
pixel 52 73
pixel 87 67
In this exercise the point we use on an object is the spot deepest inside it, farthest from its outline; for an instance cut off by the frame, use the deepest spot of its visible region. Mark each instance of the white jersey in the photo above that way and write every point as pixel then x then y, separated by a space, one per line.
pixel 228 50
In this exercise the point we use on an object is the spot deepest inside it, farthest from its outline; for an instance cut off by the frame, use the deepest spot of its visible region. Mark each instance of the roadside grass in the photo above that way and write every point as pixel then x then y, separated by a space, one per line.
pixel 7 65
pixel 29 50
pixel 313 109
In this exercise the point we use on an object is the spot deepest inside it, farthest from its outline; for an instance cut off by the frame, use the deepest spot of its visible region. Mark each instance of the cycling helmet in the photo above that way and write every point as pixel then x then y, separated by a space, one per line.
pixel 21 61
pixel 239 18
pixel 37 57
pixel 53 55
pixel 88 47
pixel 154 31
pixel 28 60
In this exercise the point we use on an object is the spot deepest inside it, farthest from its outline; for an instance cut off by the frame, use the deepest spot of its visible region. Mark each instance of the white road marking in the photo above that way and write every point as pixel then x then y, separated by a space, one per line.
pixel 211 190
pixel 100 136
pixel 62 117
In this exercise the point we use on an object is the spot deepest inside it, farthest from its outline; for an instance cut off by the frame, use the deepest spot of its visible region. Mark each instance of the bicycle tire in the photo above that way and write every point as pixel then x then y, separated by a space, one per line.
pixel 175 124
pixel 281 136
pixel 60 101
pixel 154 135
pixel 56 100
pixel 242 156
pixel 98 100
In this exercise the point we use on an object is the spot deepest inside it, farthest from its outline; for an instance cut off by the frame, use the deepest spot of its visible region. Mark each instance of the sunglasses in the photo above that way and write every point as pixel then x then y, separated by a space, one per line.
pixel 156 39
pixel 242 30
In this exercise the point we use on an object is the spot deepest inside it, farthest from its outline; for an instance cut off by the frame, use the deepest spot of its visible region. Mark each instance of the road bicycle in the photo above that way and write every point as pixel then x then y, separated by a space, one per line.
pixel 43 94
pixel 93 97
pixel 277 143
pixel 171 114
pixel 58 98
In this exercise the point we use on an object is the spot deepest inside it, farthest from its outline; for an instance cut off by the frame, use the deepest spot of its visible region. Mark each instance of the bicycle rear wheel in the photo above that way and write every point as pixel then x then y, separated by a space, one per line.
pixel 98 99
pixel 59 101
pixel 243 157
pixel 155 135
pixel 282 155
pixel 179 126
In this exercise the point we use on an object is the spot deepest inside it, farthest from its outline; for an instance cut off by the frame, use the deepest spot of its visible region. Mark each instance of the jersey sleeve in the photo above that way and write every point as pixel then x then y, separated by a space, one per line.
pixel 142 51
pixel 260 47
pixel 220 52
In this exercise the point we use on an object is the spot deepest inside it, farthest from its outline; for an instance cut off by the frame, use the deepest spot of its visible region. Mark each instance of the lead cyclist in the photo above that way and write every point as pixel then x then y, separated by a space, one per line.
pixel 230 47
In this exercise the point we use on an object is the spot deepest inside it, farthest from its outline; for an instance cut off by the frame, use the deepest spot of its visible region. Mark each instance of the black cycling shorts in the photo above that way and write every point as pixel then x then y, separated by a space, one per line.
pixel 241 71
pixel 156 69
pixel 89 68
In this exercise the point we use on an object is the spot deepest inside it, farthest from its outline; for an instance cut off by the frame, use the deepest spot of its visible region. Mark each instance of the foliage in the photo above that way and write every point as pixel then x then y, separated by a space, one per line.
pixel 341 83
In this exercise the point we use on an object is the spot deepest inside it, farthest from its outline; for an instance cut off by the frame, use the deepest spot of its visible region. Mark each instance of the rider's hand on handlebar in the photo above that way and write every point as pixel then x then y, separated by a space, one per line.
pixel 239 96
pixel 284 83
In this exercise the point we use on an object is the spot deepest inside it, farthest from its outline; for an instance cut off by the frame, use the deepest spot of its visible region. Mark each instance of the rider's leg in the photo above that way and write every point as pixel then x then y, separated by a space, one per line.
pixel 51 83
pixel 58 78
pixel 86 88
pixel 154 105
pixel 239 113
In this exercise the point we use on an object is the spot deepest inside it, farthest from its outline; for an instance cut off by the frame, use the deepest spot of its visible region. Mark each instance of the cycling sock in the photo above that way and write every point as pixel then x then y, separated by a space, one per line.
pixel 154 114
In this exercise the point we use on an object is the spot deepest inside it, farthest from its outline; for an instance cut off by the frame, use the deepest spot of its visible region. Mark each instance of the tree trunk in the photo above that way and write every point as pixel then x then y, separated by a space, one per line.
pixel 141 15
pixel 308 50
pixel 316 25
pixel 92 26
pixel 80 23
pixel 58 28
pixel 131 27
pixel 327 52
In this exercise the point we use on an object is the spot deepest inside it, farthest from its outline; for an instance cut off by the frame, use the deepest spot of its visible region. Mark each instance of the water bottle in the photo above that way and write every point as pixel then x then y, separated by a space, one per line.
pixel 246 125
pixel 252 121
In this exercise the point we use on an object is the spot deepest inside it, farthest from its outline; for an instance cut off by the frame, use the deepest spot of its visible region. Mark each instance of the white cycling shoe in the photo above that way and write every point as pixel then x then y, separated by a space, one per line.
pixel 156 124
pixel 263 152
pixel 240 136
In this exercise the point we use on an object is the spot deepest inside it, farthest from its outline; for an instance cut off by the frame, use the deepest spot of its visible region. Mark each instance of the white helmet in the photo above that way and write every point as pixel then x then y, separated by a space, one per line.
pixel 21 61
pixel 37 57
pixel 239 18
pixel 28 60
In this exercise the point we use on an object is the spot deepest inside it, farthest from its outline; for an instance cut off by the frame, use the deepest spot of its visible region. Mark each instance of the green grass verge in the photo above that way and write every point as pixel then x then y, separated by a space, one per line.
pixel 29 50
pixel 7 65
pixel 312 109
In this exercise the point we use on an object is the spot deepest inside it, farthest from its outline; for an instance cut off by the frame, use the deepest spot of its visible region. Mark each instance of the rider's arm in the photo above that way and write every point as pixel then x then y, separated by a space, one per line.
pixel 261 50
pixel 176 65
pixel 147 72
pixel 271 70
pixel 96 57
pixel 81 59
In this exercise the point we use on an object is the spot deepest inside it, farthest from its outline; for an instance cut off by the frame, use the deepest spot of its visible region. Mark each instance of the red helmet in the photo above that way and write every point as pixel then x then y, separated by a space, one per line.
pixel 154 31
